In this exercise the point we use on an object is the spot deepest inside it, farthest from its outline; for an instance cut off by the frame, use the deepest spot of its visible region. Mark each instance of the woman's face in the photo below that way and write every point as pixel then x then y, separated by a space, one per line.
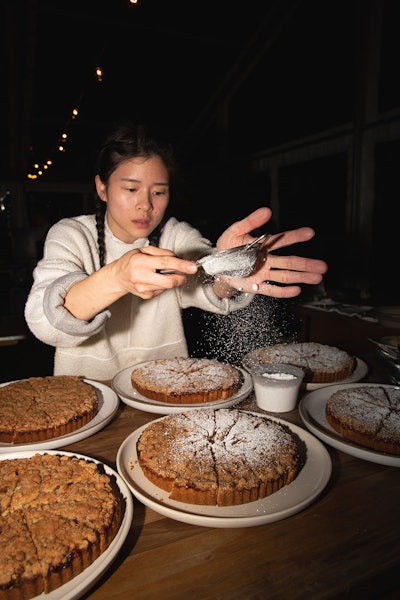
pixel 137 196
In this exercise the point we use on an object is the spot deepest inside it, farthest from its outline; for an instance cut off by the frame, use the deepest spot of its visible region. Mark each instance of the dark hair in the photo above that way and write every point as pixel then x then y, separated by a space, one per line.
pixel 129 140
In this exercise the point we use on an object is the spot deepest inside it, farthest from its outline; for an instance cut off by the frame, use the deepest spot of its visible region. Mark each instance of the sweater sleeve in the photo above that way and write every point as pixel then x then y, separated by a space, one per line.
pixel 60 318
pixel 70 255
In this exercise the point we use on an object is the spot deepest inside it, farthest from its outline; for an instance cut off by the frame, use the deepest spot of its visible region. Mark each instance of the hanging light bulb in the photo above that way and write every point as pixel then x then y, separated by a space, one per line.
pixel 3 195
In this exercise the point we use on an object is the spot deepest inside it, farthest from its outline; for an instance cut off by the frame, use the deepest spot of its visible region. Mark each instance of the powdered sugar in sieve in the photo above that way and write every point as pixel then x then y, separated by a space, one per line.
pixel 235 262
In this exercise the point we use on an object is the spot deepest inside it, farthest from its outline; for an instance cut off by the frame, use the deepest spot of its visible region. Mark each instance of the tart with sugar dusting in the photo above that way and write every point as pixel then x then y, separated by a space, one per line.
pixel 186 380
pixel 42 408
pixel 321 363
pixel 58 513
pixel 367 415
pixel 220 457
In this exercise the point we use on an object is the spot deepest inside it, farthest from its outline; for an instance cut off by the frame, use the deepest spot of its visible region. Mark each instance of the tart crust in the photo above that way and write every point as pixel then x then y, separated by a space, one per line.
pixel 58 514
pixel 41 408
pixel 367 415
pixel 320 363
pixel 218 457
pixel 186 380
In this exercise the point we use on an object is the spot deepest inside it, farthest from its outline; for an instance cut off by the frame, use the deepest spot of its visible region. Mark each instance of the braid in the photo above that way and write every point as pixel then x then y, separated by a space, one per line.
pixel 100 211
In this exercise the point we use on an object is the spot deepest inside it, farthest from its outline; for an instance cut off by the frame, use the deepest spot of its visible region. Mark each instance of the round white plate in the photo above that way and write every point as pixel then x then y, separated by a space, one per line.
pixel 122 385
pixel 108 406
pixel 289 500
pixel 76 587
pixel 312 412
pixel 359 372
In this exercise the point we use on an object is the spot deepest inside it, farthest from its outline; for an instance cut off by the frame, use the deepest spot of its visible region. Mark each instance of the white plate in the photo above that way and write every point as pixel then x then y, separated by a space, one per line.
pixel 76 587
pixel 289 500
pixel 108 406
pixel 312 412
pixel 122 385
pixel 359 372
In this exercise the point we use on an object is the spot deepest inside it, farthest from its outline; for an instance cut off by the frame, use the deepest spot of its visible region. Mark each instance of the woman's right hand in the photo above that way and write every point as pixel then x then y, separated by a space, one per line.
pixel 136 272
pixel 139 271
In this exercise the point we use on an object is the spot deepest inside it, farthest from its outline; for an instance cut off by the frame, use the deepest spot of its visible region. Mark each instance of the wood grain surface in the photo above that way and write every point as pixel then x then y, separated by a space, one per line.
pixel 344 545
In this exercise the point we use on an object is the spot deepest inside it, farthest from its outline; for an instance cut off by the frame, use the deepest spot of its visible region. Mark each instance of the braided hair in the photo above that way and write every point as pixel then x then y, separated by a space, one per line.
pixel 129 140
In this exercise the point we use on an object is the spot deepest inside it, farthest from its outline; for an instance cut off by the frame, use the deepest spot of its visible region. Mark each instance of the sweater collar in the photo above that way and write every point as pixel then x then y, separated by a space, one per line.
pixel 116 247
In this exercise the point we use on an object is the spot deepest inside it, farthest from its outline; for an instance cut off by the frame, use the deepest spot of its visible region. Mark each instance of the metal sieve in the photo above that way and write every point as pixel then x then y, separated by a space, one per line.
pixel 235 262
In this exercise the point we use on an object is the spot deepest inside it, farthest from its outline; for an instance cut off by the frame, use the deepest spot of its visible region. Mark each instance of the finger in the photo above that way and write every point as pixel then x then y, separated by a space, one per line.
pixel 268 288
pixel 150 291
pixel 287 238
pixel 145 294
pixel 290 277
pixel 155 251
pixel 252 221
pixel 276 291
pixel 156 282
pixel 183 266
pixel 279 279
pixel 165 262
pixel 293 263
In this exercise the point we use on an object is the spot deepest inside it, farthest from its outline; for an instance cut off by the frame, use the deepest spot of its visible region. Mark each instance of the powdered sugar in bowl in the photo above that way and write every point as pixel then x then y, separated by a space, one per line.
pixel 276 386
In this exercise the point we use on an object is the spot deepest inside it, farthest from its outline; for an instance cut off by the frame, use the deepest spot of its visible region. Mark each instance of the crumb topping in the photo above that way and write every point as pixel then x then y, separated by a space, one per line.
pixel 41 408
pixel 53 509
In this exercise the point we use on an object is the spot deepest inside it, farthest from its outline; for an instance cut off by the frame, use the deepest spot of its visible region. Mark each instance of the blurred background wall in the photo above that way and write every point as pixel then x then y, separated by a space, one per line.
pixel 290 103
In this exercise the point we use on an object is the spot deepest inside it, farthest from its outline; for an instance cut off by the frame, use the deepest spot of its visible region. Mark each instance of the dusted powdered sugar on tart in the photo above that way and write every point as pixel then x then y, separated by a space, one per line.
pixel 321 363
pixel 218 457
pixel 367 415
pixel 186 380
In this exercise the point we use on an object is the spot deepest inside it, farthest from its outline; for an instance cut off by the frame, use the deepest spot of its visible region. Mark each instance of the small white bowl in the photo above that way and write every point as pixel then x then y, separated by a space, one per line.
pixel 276 386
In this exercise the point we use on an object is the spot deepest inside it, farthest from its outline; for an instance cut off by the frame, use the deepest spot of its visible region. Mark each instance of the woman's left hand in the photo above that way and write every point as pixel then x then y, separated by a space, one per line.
pixel 285 271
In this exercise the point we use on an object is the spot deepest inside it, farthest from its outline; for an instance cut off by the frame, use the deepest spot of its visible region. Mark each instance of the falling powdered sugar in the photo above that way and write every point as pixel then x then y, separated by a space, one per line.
pixel 263 322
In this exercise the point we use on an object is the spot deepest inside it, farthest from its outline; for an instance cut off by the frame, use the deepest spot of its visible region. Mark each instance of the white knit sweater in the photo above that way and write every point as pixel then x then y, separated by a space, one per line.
pixel 131 330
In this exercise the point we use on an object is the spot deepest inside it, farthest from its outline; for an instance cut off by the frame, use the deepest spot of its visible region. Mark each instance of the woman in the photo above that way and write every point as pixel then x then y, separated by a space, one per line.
pixel 98 295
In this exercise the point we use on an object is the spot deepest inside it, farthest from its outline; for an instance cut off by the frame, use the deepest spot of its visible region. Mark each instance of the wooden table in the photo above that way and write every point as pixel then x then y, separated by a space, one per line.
pixel 344 545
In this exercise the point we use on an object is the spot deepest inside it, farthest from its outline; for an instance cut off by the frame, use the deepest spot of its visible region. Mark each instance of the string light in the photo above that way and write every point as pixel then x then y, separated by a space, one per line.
pixel 63 138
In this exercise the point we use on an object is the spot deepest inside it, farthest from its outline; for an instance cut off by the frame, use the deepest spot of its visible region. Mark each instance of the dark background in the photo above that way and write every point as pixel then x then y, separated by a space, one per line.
pixel 162 62
pixel 225 82
pixel 294 104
